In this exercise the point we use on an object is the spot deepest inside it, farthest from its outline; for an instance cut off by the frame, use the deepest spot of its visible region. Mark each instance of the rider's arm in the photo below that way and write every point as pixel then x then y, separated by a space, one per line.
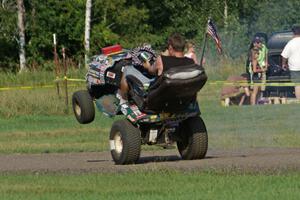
pixel 285 54
pixel 156 68
pixel 284 63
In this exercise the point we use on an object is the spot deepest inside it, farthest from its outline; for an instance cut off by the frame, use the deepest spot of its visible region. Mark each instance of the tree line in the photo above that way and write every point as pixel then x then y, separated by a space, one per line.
pixel 130 23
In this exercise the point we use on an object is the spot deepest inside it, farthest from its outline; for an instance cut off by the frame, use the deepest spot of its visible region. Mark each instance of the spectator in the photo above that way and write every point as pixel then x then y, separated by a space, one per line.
pixel 258 67
pixel 235 93
pixel 291 58
pixel 190 52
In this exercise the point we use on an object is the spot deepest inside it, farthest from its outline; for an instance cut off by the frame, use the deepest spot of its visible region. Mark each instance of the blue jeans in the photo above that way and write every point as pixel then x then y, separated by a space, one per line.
pixel 131 70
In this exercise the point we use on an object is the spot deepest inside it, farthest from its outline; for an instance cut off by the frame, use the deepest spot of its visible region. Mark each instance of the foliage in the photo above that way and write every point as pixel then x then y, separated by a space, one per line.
pixel 235 39
pixel 132 22
pixel 282 15
pixel 8 36
pixel 60 17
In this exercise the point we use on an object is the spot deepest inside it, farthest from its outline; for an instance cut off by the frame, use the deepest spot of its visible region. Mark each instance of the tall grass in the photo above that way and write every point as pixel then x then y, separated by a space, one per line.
pixel 220 69
pixel 40 101
pixel 36 77
pixel 43 100
pixel 40 98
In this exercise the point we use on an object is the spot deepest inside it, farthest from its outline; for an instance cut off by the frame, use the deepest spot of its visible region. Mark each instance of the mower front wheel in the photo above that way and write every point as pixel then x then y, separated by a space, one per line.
pixel 83 107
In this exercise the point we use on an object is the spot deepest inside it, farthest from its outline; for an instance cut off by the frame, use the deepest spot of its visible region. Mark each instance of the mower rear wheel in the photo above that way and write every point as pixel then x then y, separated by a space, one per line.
pixel 125 142
pixel 194 139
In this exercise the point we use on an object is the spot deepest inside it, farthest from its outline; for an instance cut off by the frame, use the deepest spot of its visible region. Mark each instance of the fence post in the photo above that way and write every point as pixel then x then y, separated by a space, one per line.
pixel 56 64
pixel 65 79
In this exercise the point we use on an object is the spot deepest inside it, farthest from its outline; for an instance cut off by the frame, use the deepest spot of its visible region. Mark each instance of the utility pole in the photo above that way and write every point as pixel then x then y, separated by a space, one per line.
pixel 87 31
pixel 21 26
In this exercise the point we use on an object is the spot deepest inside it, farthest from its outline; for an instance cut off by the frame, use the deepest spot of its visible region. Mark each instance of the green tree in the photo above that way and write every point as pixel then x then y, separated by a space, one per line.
pixel 8 36
pixel 131 22
pixel 117 21
pixel 65 18
pixel 282 14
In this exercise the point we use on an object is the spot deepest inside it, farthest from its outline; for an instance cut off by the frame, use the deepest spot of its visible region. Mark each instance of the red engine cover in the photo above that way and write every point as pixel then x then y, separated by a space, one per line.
pixel 111 49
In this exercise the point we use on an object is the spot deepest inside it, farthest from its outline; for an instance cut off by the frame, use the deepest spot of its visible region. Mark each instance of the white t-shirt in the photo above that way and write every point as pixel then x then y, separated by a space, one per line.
pixel 291 51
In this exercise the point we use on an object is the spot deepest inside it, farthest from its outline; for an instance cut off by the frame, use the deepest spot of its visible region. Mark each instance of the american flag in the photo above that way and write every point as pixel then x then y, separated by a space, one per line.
pixel 212 31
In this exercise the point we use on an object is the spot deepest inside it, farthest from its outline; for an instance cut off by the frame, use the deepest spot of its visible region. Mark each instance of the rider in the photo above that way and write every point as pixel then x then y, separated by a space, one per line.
pixel 175 58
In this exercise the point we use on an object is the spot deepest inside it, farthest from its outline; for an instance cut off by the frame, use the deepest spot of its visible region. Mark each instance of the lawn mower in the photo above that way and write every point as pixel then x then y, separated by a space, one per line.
pixel 162 113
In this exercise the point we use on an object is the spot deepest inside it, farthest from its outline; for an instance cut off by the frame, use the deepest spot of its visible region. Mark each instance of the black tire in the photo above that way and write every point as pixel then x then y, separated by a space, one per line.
pixel 125 142
pixel 194 139
pixel 83 107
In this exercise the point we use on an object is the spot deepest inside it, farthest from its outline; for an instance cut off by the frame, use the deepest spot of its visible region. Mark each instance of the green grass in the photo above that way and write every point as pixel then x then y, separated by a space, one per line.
pixel 228 128
pixel 151 185
pixel 36 134
pixel 35 121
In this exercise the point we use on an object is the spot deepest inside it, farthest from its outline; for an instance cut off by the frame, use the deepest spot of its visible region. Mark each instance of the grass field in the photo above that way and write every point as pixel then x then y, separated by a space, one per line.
pixel 151 185
pixel 36 121
pixel 232 127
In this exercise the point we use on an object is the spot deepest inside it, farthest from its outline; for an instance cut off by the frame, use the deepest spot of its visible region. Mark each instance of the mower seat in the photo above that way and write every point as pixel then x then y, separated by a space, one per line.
pixel 172 92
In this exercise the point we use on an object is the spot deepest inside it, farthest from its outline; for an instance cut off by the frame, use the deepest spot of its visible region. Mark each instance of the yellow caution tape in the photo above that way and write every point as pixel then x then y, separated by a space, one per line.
pixel 69 79
pixel 279 83
pixel 76 80
pixel 25 87
pixel 43 86
pixel 30 87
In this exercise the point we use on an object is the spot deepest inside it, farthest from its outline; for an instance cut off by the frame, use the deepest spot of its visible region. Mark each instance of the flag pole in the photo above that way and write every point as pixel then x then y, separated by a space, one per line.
pixel 203 49
pixel 204 44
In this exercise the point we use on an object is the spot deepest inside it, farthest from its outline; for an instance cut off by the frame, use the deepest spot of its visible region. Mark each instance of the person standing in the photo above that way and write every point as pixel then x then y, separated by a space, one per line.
pixel 258 67
pixel 291 58
pixel 262 61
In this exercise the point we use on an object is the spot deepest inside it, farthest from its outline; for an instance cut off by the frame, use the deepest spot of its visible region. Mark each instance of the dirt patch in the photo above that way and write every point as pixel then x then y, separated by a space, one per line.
pixel 251 160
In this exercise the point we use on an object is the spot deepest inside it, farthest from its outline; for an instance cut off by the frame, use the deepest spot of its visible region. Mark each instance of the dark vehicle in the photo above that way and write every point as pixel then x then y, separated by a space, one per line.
pixel 275 73
pixel 162 113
